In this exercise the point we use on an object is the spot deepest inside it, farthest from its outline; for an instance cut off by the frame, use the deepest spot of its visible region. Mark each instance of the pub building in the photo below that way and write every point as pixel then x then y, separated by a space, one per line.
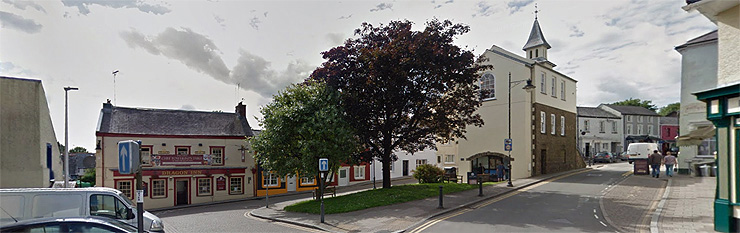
pixel 188 157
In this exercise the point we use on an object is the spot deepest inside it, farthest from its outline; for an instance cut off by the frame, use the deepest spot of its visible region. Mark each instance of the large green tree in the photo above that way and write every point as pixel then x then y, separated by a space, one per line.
pixel 674 107
pixel 405 89
pixel 637 102
pixel 302 124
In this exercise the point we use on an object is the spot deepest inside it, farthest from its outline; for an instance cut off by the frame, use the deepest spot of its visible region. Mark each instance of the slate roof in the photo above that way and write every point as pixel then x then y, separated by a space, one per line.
pixel 595 113
pixel 536 37
pixel 632 110
pixel 122 120
pixel 711 36
pixel 669 120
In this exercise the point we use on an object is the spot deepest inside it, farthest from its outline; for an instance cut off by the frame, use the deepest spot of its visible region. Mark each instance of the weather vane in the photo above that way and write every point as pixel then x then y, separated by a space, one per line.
pixel 535 11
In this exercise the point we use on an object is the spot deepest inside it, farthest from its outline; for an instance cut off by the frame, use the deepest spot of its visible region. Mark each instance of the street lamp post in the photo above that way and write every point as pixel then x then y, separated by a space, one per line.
pixel 529 87
pixel 66 134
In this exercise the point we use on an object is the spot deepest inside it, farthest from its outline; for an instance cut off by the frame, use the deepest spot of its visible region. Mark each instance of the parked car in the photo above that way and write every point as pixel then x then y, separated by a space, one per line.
pixel 72 224
pixel 623 156
pixel 29 203
pixel 604 157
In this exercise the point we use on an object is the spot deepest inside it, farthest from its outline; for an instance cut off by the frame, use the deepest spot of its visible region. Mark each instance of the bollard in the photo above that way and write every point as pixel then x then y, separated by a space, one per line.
pixel 440 198
pixel 480 187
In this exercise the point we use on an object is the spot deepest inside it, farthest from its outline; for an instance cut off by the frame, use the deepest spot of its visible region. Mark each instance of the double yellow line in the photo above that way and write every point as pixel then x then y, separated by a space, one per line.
pixel 482 204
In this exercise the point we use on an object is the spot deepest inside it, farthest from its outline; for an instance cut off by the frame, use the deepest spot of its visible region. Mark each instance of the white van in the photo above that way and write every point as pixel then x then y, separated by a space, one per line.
pixel 28 203
pixel 640 150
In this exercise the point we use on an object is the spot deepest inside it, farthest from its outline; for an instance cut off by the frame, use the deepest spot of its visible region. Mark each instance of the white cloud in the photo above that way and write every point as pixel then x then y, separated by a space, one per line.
pixel 20 4
pixel 84 5
pixel 17 22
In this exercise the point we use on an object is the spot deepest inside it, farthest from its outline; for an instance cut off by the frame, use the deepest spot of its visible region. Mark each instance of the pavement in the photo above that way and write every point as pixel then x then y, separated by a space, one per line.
pixel 398 217
pixel 639 203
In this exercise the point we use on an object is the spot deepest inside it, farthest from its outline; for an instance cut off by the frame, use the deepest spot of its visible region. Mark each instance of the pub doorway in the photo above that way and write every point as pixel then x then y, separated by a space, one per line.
pixel 182 187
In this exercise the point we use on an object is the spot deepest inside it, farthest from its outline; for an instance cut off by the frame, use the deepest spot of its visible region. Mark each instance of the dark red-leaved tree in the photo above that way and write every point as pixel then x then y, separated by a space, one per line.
pixel 403 89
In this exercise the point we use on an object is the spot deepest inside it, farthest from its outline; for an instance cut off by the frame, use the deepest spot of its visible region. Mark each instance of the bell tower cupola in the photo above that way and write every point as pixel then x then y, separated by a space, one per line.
pixel 536 47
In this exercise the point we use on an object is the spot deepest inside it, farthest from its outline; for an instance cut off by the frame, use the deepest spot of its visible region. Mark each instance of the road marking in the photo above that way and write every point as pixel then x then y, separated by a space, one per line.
pixel 602 223
pixel 596 216
pixel 627 173
pixel 594 210
pixel 494 200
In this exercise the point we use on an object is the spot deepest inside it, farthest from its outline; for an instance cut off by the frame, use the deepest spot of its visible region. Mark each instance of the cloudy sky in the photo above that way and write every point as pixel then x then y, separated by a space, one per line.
pixel 194 54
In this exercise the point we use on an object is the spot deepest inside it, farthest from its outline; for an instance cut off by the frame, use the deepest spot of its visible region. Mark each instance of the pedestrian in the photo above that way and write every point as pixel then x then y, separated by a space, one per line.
pixel 500 172
pixel 670 161
pixel 655 160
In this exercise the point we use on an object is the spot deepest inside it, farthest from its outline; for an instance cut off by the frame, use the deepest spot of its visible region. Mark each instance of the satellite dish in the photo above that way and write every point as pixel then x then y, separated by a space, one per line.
pixel 89 162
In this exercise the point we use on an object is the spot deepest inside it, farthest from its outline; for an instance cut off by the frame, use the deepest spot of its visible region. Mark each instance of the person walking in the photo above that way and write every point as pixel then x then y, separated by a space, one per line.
pixel 500 172
pixel 655 160
pixel 670 161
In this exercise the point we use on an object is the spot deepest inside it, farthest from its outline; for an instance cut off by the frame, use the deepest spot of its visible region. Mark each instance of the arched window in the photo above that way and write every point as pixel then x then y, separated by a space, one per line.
pixel 488 86
pixel 536 52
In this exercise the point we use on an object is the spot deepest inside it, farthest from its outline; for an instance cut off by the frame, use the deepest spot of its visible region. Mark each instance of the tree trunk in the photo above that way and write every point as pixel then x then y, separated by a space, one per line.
pixel 386 170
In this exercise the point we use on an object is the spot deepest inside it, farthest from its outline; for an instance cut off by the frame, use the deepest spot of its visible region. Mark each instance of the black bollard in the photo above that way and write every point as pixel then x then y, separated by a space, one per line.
pixel 440 198
pixel 480 187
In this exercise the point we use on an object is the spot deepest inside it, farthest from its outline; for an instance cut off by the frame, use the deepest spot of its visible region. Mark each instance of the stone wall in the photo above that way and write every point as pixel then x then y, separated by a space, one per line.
pixel 557 152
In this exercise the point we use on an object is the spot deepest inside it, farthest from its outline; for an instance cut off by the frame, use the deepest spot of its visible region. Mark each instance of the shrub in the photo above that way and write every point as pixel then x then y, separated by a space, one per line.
pixel 427 173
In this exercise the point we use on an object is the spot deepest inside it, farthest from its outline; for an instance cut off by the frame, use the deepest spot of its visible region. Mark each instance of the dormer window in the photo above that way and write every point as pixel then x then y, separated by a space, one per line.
pixel 488 86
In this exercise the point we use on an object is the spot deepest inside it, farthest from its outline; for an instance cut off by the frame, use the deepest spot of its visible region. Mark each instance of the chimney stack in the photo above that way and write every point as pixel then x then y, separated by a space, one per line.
pixel 107 107
pixel 241 109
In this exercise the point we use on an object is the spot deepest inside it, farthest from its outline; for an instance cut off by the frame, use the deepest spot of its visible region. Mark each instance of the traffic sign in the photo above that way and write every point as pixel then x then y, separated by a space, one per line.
pixel 507 144
pixel 128 157
pixel 323 164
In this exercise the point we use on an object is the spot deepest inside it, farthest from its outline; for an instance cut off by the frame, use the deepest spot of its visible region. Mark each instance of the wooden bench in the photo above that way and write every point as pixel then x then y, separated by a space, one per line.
pixel 330 190
pixel 452 178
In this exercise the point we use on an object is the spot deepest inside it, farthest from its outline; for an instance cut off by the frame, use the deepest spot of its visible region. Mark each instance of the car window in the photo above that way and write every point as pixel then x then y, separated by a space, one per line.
pixel 90 228
pixel 37 228
pixel 107 206
pixel 57 205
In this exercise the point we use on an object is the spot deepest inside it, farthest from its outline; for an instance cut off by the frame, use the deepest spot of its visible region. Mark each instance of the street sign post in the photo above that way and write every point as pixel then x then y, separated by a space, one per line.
pixel 323 169
pixel 129 161
pixel 507 144
pixel 128 157
pixel 323 164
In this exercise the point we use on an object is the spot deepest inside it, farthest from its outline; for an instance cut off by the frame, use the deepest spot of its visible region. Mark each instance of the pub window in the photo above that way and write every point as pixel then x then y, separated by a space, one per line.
pixel 125 187
pixel 235 185
pixel 182 150
pixel 217 155
pixel 205 187
pixel 159 188
pixel 270 180
pixel 146 155
pixel 360 172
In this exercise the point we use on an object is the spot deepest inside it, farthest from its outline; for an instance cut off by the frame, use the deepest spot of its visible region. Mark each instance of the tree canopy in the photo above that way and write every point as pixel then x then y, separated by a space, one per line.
pixel 637 102
pixel 674 107
pixel 78 149
pixel 405 89
pixel 302 124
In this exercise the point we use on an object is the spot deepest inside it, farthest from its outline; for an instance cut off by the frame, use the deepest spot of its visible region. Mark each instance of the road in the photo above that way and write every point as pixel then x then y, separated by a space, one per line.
pixel 234 216
pixel 567 204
